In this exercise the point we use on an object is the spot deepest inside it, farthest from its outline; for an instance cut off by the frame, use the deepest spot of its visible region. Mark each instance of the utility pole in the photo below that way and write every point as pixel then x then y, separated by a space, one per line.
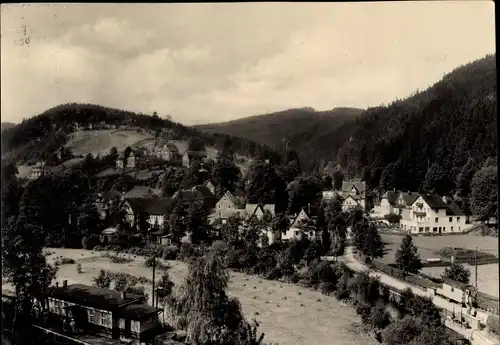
pixel 475 264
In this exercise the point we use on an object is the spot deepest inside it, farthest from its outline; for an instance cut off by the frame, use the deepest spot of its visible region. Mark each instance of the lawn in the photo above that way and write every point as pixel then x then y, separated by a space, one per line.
pixel 427 245
pixel 288 314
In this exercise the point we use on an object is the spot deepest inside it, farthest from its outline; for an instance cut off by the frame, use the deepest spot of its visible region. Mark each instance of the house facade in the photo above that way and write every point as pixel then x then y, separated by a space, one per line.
pixel 189 157
pixel 394 202
pixel 155 210
pixel 111 314
pixel 126 162
pixel 430 213
pixel 38 170
pixel 228 206
pixel 296 228
pixel 167 151
pixel 352 194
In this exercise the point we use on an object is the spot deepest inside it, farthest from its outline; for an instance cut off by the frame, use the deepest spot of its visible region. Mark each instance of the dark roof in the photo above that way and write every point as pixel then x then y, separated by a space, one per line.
pixel 456 284
pixel 454 210
pixel 204 190
pixel 141 192
pixel 171 147
pixel 360 186
pixel 434 201
pixel 110 195
pixel 409 197
pixel 91 296
pixel 157 206
pixel 196 154
pixel 237 202
pixel 188 195
pixel 391 196
pixel 138 311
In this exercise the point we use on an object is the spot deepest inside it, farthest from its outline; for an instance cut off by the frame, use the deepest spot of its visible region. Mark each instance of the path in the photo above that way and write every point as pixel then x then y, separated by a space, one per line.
pixel 438 301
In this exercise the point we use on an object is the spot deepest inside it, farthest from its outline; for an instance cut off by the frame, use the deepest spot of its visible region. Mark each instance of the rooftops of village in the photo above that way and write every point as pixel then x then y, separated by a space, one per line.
pixel 138 312
pixel 90 296
pixel 188 195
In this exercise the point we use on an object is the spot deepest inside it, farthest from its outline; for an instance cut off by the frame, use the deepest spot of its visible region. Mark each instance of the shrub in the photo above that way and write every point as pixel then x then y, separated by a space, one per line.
pixel 79 268
pixel 364 310
pixel 170 252
pixel 64 261
pixel 159 265
pixel 326 288
pixel 117 259
pixel 187 251
pixel 379 318
pixel 91 242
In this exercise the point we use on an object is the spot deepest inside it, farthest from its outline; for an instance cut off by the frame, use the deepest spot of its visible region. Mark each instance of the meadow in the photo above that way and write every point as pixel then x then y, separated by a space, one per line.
pixel 488 276
pixel 287 314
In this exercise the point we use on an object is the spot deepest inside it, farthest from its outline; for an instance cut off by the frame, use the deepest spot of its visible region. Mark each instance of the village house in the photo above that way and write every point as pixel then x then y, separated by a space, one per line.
pixel 352 194
pixel 83 309
pixel 259 210
pixel 209 199
pixel 38 170
pixel 301 225
pixel 228 206
pixel 430 213
pixel 167 151
pixel 128 162
pixel 395 202
pixel 155 209
pixel 189 157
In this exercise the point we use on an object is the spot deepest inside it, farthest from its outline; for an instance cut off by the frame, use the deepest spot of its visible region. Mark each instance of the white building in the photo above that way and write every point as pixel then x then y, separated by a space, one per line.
pixel 430 213
pixel 296 228
pixel 394 202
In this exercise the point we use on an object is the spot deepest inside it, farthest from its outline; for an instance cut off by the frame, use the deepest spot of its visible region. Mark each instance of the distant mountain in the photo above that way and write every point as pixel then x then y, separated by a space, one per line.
pixel 38 137
pixel 303 128
pixel 7 125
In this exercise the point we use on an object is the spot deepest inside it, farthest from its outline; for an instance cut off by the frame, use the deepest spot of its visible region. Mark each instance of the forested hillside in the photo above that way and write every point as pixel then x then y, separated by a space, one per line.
pixel 302 128
pixel 426 141
pixel 38 137
pixel 7 125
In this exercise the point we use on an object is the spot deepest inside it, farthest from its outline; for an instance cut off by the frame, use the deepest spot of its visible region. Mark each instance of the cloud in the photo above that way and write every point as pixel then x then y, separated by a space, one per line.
pixel 217 62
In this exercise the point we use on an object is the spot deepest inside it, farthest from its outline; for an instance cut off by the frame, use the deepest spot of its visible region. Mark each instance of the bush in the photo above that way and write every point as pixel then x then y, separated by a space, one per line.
pixel 326 288
pixel 91 242
pixel 159 265
pixel 64 261
pixel 170 252
pixel 379 318
pixel 117 259
pixel 364 310
pixel 187 251
pixel 79 268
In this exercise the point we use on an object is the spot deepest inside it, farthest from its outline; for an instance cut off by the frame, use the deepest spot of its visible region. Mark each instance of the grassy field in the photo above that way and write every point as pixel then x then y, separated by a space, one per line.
pixel 288 314
pixel 427 245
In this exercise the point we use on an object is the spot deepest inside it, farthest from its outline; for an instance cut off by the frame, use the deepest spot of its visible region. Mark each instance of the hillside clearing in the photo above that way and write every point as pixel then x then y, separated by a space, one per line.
pixel 291 321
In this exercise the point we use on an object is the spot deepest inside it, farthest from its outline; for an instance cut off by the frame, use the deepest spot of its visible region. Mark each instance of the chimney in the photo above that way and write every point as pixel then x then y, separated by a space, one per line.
pixel 123 295
pixel 409 192
pixel 309 209
pixel 65 283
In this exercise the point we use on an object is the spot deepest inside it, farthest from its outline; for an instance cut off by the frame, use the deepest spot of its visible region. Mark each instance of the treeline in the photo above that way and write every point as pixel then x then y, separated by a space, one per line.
pixel 435 132
pixel 39 136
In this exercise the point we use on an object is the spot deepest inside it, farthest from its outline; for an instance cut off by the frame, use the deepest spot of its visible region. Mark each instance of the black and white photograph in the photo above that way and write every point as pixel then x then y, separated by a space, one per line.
pixel 255 173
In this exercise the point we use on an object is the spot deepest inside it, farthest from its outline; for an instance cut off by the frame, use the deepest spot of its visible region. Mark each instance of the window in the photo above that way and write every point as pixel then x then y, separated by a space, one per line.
pixel 458 219
pixel 420 229
pixel 103 319
pixel 451 219
pixel 91 315
pixel 311 233
pixel 451 228
pixel 296 233
pixel 444 228
pixel 426 229
pixel 434 229
pixel 436 220
pixel 452 289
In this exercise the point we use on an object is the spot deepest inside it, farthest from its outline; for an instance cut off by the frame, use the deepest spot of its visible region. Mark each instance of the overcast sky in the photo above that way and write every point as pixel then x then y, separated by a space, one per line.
pixel 217 62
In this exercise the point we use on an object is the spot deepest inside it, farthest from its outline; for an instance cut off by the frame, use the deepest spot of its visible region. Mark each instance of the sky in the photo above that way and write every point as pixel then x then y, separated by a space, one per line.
pixel 205 63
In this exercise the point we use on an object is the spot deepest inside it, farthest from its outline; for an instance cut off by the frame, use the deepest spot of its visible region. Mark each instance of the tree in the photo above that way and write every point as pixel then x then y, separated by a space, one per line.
pixel 226 174
pixel 196 144
pixel 304 192
pixel 437 180
pixel 338 178
pixel 210 316
pixel 367 240
pixel 336 226
pixel 457 272
pixel 26 267
pixel 407 257
pixel 402 331
pixel 483 200
pixel 266 186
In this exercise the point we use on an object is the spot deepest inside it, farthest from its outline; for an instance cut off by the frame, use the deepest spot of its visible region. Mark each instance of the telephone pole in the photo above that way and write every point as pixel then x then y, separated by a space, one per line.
pixel 475 264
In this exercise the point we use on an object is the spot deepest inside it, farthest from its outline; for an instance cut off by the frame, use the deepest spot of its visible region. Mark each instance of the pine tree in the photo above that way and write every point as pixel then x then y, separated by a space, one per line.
pixel 407 257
